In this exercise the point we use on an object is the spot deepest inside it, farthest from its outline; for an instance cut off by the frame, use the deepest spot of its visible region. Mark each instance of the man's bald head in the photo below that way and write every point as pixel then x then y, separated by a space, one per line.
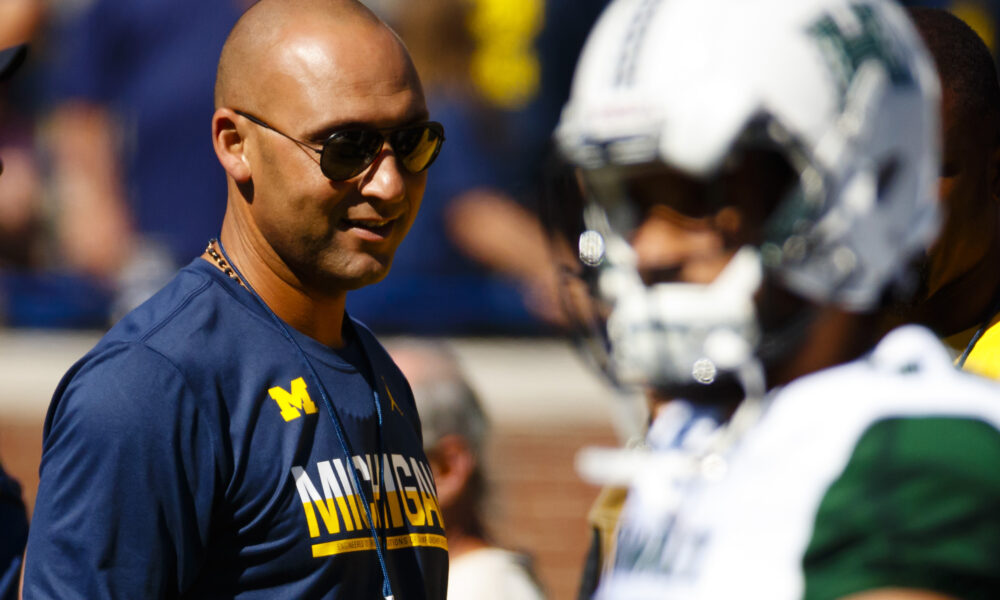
pixel 269 25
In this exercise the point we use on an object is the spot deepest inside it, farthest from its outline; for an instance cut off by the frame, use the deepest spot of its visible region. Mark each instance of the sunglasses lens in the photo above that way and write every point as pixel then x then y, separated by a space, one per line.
pixel 348 153
pixel 418 146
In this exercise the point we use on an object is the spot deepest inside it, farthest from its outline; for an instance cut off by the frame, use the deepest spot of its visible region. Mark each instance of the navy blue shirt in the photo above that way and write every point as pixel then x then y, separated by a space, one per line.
pixel 189 454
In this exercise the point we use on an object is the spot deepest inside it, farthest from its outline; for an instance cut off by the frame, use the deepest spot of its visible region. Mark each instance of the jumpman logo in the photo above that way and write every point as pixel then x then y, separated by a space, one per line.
pixel 392 401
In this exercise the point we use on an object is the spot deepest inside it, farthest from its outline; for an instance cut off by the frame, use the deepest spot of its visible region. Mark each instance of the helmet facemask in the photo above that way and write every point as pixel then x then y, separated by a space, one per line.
pixel 668 325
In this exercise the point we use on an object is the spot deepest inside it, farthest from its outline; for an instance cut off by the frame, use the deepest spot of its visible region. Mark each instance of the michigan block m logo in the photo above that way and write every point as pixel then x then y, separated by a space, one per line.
pixel 295 402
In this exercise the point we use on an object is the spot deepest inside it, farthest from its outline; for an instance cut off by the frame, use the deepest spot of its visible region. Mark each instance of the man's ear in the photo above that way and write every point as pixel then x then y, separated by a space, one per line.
pixel 454 464
pixel 229 145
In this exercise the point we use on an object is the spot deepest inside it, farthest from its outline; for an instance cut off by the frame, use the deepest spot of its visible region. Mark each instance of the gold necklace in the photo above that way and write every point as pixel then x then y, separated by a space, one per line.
pixel 221 262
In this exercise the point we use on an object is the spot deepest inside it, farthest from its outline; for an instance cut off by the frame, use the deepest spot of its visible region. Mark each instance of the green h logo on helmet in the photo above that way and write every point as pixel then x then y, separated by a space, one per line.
pixel 846 52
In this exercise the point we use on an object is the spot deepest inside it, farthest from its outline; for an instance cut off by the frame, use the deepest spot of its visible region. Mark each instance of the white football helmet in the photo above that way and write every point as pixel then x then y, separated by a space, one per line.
pixel 843 89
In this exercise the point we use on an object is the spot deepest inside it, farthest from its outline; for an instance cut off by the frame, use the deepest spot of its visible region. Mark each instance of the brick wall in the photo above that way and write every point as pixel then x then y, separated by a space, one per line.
pixel 542 503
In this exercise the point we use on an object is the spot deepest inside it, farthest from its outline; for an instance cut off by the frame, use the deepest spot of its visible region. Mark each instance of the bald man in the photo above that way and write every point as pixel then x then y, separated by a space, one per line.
pixel 239 435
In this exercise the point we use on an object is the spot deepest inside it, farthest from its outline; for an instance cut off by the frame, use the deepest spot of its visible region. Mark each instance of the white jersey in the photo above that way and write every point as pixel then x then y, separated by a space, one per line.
pixel 883 472
pixel 492 574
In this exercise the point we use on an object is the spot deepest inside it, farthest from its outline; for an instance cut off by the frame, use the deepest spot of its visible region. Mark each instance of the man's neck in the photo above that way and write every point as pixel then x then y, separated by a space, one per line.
pixel 319 316
pixel 832 337
pixel 465 532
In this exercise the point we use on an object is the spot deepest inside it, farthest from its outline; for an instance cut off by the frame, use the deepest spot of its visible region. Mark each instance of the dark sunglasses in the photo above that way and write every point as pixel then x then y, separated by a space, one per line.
pixel 348 152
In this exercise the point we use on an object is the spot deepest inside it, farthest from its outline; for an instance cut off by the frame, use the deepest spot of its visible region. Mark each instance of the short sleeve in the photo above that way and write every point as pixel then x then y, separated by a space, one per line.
pixel 916 507
pixel 128 480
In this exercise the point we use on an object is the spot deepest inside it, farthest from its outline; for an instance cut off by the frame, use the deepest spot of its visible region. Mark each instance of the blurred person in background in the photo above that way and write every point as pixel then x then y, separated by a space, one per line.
pixel 959 297
pixel 521 65
pixel 20 19
pixel 443 289
pixel 455 432
pixel 239 434
pixel 476 261
pixel 23 214
pixel 755 198
pixel 136 190
pixel 21 190
pixel 16 25
pixel 960 282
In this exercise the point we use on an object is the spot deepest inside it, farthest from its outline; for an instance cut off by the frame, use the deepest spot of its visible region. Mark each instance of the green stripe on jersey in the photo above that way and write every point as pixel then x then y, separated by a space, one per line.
pixel 918 506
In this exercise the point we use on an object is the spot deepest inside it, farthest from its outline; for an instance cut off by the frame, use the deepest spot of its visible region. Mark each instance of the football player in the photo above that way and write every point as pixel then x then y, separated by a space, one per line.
pixel 758 177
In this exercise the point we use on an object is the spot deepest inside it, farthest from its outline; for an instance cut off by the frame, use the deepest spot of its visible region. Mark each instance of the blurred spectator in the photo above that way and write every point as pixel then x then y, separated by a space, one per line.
pixel 454 429
pixel 476 260
pixel 433 286
pixel 960 295
pixel 13 517
pixel 32 294
pixel 135 180
pixel 21 188
pixel 19 19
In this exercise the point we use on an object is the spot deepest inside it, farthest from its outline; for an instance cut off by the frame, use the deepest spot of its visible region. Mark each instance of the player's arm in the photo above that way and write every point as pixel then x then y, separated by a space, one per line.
pixel 88 189
pixel 128 479
pixel 913 515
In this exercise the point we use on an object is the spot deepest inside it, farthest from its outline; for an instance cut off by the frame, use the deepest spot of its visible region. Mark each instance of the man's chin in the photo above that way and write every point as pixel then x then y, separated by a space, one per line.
pixel 364 281
pixel 339 278
pixel 370 271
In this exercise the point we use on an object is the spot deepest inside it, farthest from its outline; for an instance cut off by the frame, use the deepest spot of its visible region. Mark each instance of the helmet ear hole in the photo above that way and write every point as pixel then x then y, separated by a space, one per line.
pixel 887 177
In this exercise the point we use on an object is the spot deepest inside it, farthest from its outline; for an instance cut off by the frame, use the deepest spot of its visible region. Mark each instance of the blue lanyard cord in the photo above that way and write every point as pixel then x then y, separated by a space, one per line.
pixel 341 436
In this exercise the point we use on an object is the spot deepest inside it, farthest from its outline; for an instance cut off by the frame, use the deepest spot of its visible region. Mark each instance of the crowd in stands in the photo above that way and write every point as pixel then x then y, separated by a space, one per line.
pixel 111 184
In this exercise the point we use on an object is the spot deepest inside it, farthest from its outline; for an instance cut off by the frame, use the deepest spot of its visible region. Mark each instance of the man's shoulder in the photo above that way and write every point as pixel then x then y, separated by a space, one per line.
pixel 909 373
pixel 913 507
pixel 193 317
pixel 190 325
pixel 892 465
pixel 184 297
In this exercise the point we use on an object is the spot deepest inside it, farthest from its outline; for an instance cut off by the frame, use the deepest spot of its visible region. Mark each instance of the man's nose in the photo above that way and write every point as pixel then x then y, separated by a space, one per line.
pixel 384 179
pixel 660 251
pixel 667 252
